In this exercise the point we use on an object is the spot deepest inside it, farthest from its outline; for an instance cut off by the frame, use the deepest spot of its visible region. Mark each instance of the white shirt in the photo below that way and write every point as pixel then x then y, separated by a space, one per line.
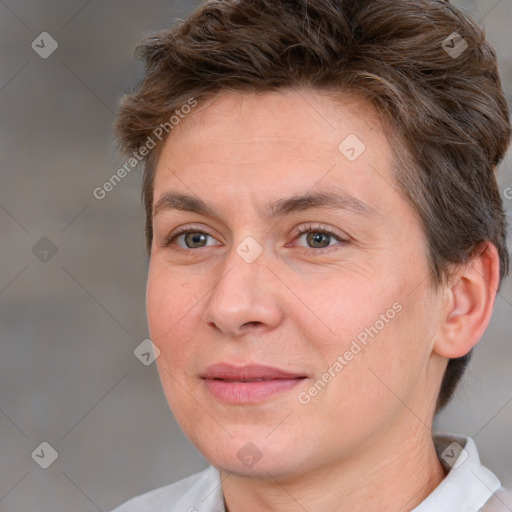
pixel 468 487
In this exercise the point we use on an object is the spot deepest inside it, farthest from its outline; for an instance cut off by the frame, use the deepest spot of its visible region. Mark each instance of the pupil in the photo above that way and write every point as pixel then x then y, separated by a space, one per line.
pixel 316 238
pixel 194 238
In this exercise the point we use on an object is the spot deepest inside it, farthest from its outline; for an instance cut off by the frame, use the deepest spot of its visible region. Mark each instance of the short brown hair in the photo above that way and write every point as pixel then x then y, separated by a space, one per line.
pixel 448 110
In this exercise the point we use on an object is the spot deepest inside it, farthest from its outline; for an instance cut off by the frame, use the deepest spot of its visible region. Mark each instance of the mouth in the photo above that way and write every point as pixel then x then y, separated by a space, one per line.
pixel 248 384
pixel 246 380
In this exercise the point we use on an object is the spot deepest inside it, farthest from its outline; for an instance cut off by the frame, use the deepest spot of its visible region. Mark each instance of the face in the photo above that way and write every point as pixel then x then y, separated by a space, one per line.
pixel 325 297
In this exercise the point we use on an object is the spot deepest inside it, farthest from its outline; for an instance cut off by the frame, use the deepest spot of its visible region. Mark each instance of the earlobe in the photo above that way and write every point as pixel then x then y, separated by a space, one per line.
pixel 469 303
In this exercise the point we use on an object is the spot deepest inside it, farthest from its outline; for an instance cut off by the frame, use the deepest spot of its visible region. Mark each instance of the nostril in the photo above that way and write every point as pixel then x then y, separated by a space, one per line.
pixel 252 324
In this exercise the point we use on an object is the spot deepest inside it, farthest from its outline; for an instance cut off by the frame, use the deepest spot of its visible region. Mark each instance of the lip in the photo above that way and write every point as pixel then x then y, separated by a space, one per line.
pixel 239 384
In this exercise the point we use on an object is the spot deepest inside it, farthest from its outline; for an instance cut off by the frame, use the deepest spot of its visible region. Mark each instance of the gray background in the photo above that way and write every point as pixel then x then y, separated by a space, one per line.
pixel 69 325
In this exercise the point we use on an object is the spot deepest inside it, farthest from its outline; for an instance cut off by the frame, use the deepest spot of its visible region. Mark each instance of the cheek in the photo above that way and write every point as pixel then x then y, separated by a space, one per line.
pixel 174 309
pixel 169 300
pixel 158 306
pixel 348 308
pixel 168 313
pixel 395 359
pixel 382 334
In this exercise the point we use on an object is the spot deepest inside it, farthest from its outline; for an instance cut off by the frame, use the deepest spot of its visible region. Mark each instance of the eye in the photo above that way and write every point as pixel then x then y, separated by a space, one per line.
pixel 318 237
pixel 191 238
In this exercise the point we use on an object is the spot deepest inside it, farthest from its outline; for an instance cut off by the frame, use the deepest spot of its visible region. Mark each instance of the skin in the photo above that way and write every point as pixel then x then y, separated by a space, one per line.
pixel 298 307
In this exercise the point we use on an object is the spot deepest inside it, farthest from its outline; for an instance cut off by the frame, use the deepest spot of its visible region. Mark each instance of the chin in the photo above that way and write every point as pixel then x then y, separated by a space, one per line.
pixel 254 455
pixel 268 466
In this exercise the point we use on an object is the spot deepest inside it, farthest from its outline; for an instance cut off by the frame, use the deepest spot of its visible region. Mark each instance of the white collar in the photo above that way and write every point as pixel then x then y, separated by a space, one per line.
pixel 468 485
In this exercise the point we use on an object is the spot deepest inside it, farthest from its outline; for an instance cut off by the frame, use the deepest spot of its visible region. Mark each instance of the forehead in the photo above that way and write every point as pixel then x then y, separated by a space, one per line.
pixel 283 115
pixel 240 147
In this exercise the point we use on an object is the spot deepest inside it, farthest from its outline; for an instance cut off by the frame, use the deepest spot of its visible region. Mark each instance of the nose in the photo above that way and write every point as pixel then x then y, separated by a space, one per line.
pixel 245 295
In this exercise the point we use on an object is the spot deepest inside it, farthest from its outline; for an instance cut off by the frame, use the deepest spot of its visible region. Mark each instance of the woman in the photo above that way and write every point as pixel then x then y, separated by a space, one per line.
pixel 326 240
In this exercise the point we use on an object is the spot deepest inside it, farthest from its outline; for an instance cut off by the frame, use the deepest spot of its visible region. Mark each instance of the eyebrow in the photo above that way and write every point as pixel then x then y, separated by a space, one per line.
pixel 273 209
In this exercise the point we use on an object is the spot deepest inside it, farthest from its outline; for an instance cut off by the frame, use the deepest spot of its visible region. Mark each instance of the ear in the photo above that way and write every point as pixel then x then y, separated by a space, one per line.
pixel 470 297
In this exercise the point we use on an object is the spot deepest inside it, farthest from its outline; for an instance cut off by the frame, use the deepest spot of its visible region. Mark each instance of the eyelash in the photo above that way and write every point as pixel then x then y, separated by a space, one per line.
pixel 302 230
pixel 310 228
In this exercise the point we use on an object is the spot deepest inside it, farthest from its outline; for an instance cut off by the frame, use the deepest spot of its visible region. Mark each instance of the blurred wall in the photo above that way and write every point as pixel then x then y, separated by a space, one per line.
pixel 73 269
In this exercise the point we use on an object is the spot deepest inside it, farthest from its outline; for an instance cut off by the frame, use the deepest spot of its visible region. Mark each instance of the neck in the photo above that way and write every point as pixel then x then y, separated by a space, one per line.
pixel 395 472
